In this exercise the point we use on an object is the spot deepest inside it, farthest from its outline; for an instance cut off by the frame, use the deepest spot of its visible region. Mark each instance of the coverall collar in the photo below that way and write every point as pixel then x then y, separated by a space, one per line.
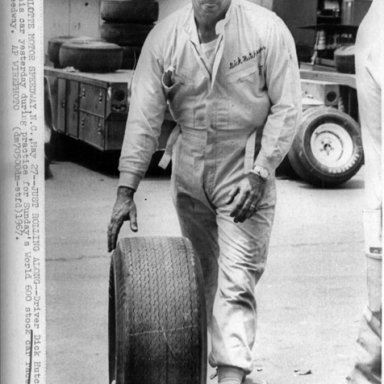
pixel 191 27
pixel 191 30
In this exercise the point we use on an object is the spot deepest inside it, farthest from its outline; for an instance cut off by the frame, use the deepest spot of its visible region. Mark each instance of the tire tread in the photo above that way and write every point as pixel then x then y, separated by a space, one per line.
pixel 161 312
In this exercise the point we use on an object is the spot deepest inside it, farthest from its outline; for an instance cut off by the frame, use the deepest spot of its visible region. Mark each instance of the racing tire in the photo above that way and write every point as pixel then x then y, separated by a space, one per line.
pixel 130 57
pixel 125 33
pixel 157 319
pixel 122 11
pixel 91 56
pixel 55 44
pixel 327 149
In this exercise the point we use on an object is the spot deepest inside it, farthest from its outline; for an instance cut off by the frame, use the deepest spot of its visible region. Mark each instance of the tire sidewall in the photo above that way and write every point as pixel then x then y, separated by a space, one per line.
pixel 112 325
pixel 121 322
pixel 125 33
pixel 318 172
pixel 118 11
pixel 89 57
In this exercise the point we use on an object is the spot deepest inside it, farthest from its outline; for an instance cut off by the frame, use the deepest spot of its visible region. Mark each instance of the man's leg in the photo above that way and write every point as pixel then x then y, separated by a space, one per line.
pixel 198 223
pixel 242 251
pixel 242 259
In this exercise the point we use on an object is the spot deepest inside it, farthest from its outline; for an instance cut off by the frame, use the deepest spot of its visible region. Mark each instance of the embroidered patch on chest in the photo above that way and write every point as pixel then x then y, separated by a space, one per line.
pixel 244 58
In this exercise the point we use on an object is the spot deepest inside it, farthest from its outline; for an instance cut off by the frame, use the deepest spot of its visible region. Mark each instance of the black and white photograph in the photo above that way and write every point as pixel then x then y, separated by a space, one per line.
pixel 194 191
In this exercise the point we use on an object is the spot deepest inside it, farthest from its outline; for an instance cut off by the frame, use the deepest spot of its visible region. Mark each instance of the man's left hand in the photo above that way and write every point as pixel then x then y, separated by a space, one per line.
pixel 246 196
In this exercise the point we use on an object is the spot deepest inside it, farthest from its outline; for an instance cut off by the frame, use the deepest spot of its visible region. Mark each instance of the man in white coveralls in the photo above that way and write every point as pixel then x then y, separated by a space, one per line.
pixel 228 71
pixel 369 82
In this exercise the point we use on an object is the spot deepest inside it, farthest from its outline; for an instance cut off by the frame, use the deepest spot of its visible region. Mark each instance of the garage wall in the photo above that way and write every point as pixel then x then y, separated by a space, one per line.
pixel 70 17
pixel 82 17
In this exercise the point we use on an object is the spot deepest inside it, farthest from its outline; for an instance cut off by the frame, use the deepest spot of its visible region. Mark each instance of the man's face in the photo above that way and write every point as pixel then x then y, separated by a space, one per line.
pixel 210 9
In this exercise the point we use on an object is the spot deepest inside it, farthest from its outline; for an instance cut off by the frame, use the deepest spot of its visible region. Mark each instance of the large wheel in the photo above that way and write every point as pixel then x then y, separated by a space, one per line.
pixel 327 149
pixel 122 11
pixel 125 33
pixel 157 320
pixel 91 56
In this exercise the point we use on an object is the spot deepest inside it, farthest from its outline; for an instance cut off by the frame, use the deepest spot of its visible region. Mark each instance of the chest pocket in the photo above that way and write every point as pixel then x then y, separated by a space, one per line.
pixel 248 97
pixel 180 92
pixel 241 74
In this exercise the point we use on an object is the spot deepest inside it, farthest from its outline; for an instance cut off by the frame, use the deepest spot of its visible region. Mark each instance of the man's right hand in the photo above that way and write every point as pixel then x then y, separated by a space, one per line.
pixel 123 210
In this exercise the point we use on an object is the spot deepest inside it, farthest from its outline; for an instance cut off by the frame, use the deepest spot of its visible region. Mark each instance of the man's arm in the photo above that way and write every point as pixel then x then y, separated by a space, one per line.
pixel 284 90
pixel 146 115
pixel 124 209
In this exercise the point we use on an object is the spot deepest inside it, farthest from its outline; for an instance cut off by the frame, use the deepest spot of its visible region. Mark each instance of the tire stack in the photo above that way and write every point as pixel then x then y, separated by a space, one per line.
pixel 54 45
pixel 127 23
pixel 85 54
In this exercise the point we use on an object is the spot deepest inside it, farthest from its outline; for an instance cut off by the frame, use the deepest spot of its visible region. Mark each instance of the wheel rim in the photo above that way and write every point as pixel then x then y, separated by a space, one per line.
pixel 331 145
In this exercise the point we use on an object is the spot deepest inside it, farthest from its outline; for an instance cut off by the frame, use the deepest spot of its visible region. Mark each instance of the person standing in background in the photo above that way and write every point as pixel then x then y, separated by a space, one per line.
pixel 369 82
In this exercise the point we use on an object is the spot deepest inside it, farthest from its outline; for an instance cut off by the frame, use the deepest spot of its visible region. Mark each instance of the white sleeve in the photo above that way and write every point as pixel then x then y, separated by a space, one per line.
pixel 146 114
pixel 284 91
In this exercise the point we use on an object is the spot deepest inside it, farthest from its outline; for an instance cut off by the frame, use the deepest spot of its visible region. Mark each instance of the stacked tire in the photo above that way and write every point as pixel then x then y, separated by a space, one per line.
pixel 54 46
pixel 127 23
pixel 85 54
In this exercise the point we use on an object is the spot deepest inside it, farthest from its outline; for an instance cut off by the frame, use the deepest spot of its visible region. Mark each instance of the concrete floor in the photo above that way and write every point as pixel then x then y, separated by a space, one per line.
pixel 310 298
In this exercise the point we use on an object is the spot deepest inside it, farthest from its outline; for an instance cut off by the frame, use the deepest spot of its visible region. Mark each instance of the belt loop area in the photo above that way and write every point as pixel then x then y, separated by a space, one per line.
pixel 167 156
pixel 250 148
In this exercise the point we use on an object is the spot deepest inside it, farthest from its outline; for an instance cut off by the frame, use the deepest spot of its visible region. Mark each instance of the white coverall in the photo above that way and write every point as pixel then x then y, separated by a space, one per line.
pixel 369 79
pixel 242 113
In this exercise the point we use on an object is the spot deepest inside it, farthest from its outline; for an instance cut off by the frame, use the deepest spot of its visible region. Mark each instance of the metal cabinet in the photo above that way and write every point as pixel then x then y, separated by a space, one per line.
pixel 91 130
pixel 61 105
pixel 68 107
pixel 93 108
pixel 72 108
pixel 92 99
pixel 92 113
